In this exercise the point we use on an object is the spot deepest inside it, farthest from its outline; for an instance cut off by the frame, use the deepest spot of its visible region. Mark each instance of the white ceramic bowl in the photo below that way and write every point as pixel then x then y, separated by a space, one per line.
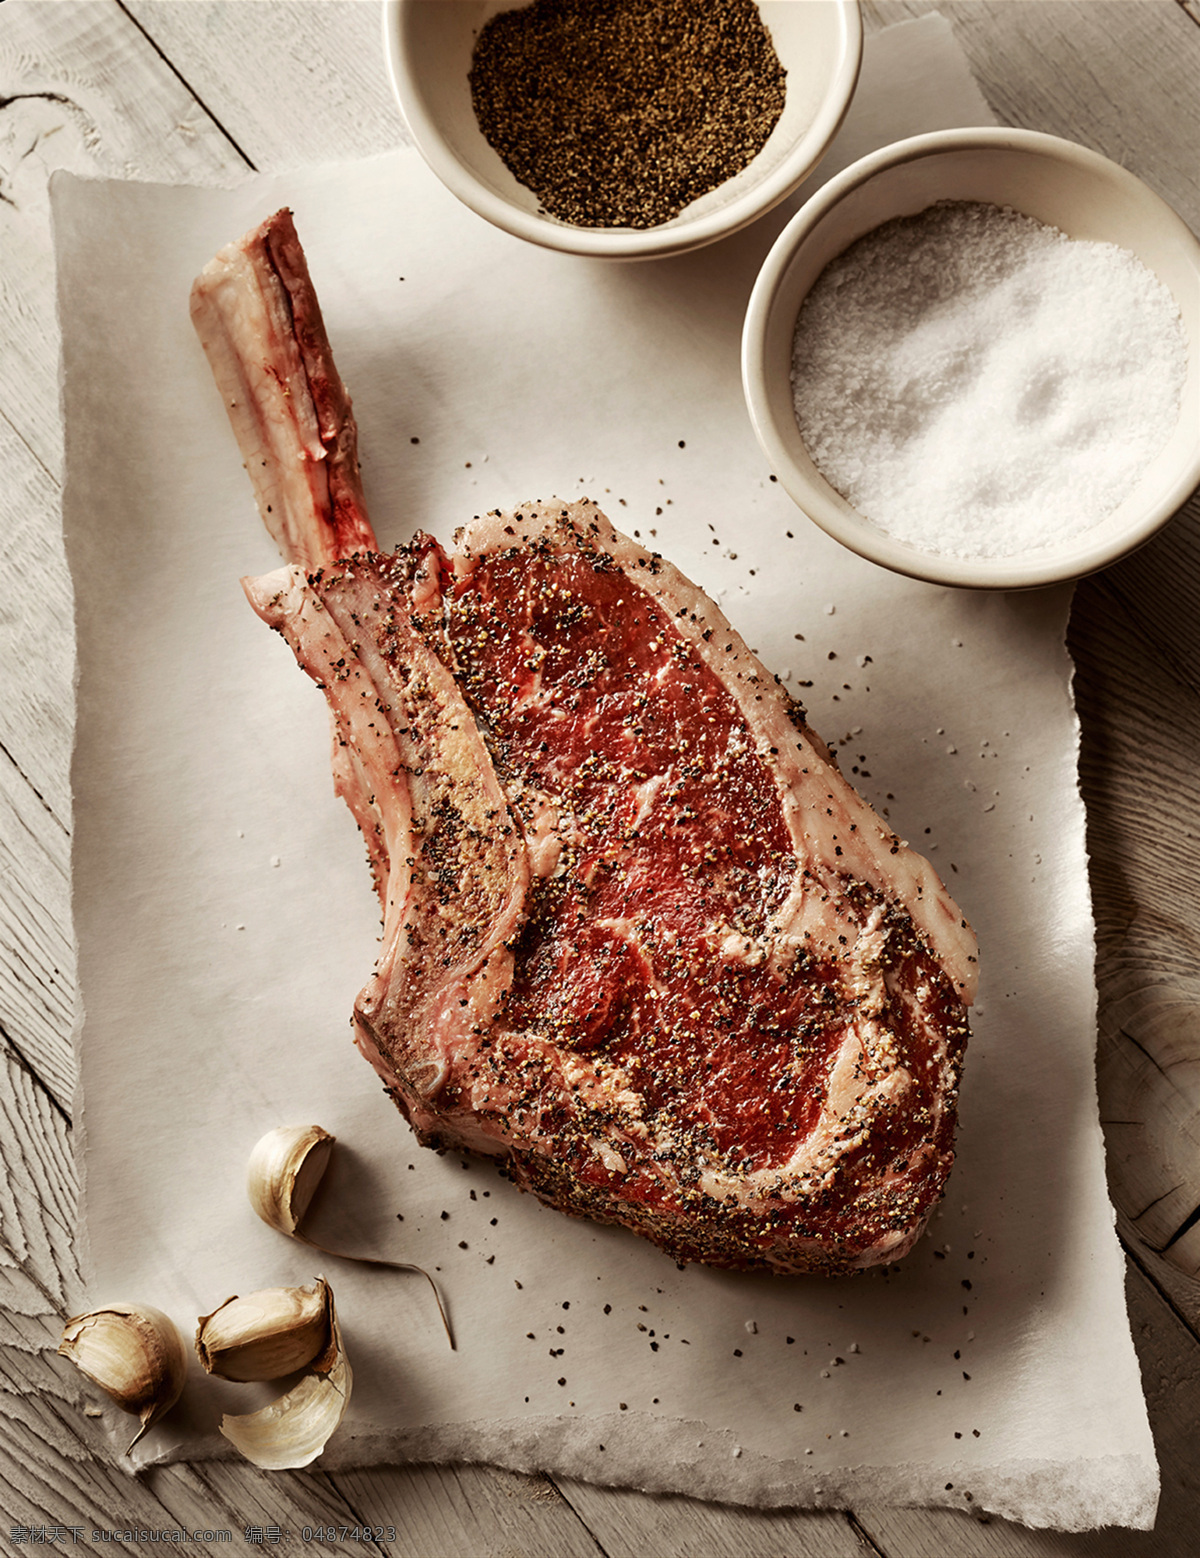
pixel 428 44
pixel 1056 182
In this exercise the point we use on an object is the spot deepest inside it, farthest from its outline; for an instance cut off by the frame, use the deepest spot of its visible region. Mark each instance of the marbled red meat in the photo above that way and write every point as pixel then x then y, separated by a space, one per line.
pixel 641 939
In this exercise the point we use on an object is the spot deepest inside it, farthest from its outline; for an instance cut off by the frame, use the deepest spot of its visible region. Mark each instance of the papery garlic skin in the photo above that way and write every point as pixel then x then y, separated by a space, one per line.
pixel 294 1430
pixel 285 1168
pixel 134 1353
pixel 267 1334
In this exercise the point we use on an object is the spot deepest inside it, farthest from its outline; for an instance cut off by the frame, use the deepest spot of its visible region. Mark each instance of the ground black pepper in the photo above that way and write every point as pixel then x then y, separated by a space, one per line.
pixel 618 113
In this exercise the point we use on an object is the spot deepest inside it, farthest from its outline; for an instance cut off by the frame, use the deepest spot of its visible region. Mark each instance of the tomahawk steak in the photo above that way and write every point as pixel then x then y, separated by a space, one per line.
pixel 642 940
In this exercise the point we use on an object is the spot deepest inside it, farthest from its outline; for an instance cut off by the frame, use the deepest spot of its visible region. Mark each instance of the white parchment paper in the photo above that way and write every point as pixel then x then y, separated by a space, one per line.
pixel 225 916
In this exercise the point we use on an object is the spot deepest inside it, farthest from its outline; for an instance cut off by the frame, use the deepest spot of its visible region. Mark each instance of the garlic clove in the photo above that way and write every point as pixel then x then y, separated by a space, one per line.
pixel 285 1168
pixel 293 1431
pixel 134 1353
pixel 266 1334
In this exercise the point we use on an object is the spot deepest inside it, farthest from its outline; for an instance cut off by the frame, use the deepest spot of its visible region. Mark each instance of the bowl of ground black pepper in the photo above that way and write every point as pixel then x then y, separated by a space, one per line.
pixel 973 357
pixel 623 128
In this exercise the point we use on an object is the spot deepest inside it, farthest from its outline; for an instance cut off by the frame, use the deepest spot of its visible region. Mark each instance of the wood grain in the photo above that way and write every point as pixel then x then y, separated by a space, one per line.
pixel 1064 68
pixel 66 72
pixel 318 90
pixel 36 662
pixel 462 1511
pixel 1140 731
pixel 628 1524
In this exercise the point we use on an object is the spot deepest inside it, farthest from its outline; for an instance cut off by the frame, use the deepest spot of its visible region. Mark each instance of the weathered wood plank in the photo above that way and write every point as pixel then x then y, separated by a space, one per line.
pixel 297 83
pixel 238 1498
pixel 37 962
pixel 54 1466
pixel 37 1199
pixel 80 88
pixel 1140 731
pixel 628 1524
pixel 467 1511
pixel 1085 72
pixel 37 649
pixel 36 716
pixel 1158 586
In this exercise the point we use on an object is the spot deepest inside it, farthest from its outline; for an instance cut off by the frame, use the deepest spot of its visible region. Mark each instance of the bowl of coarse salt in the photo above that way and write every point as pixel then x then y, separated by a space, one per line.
pixel 622 130
pixel 974 358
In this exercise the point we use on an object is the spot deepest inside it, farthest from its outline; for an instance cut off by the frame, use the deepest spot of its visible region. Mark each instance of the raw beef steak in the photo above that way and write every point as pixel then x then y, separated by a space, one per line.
pixel 641 939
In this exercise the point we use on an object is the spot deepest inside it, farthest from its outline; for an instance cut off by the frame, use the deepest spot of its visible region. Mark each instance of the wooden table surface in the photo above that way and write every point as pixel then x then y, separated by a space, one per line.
pixel 202 90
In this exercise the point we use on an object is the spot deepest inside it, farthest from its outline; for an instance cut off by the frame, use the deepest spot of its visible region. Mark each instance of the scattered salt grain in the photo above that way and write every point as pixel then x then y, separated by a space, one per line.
pixel 979 384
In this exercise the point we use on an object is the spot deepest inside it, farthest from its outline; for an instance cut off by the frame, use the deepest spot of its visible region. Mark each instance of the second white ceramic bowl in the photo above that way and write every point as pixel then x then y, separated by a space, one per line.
pixel 1054 181
pixel 428 44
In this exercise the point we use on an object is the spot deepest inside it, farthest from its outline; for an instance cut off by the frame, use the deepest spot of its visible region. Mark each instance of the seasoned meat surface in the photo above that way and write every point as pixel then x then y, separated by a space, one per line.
pixel 641 940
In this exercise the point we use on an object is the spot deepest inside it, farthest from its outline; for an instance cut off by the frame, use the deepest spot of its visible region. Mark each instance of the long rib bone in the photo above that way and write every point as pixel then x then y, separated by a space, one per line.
pixel 258 319
pixel 256 312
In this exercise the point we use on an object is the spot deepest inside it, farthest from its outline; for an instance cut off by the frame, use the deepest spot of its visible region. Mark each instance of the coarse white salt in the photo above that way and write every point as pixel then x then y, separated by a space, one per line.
pixel 978 384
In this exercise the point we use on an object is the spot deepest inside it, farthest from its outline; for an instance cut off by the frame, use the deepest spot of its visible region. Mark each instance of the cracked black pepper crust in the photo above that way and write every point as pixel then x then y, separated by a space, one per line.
pixel 820 1230
pixel 689 1095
